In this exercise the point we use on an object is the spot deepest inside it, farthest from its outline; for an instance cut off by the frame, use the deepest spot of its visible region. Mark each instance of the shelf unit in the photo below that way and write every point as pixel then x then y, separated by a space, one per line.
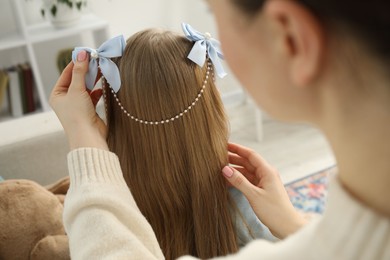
pixel 29 36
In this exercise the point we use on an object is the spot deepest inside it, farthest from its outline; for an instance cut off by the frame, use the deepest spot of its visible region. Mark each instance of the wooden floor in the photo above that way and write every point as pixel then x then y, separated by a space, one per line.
pixel 295 150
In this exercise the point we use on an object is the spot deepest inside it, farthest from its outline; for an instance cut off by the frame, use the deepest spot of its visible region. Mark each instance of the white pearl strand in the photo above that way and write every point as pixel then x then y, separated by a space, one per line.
pixel 168 120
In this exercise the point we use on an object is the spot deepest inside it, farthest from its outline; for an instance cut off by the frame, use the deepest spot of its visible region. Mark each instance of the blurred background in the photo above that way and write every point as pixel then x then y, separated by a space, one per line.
pixel 122 17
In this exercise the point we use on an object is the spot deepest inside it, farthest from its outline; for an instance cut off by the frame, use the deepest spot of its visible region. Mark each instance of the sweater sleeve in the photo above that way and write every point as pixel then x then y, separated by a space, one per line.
pixel 101 217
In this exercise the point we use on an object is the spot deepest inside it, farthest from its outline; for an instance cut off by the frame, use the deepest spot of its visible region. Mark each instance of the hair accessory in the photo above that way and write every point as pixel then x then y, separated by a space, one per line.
pixel 204 44
pixel 166 120
pixel 102 58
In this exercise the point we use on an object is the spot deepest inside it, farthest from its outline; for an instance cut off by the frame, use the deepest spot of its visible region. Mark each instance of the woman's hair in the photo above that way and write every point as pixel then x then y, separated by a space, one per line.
pixel 173 169
pixel 368 20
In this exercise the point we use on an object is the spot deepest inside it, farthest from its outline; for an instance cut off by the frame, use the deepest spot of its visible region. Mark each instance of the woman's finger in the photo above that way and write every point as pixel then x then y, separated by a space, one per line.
pixel 64 80
pixel 240 161
pixel 239 181
pixel 254 159
pixel 250 176
pixel 80 69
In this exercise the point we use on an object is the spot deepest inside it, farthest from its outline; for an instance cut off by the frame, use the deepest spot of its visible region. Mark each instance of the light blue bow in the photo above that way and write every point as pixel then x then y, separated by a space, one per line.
pixel 110 49
pixel 204 45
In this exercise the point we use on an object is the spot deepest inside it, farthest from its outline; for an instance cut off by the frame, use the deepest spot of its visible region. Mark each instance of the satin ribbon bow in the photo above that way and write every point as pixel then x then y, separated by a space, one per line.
pixel 102 58
pixel 204 45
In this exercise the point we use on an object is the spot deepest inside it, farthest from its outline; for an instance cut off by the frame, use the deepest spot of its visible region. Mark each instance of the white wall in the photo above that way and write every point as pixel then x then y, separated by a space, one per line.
pixel 127 17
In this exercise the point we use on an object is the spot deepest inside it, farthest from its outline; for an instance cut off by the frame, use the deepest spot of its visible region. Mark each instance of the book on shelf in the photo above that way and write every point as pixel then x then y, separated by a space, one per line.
pixel 28 88
pixel 21 90
pixel 4 78
pixel 15 98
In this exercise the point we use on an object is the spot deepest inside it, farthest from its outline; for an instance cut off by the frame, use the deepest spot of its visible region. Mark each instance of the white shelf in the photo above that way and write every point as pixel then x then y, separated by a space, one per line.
pixel 11 40
pixel 46 32
pixel 28 36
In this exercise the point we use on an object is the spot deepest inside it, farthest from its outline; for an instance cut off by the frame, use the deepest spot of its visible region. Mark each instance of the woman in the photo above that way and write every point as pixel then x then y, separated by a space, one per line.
pixel 325 62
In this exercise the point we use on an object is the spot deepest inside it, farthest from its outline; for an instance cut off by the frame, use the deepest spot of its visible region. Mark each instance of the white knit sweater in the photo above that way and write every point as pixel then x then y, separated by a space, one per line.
pixel 103 221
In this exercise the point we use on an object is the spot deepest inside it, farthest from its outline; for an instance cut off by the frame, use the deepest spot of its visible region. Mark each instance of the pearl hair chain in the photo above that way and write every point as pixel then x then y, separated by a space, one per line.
pixel 167 120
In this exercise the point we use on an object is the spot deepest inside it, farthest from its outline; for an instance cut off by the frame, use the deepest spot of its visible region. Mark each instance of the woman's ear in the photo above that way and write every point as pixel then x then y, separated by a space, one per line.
pixel 299 39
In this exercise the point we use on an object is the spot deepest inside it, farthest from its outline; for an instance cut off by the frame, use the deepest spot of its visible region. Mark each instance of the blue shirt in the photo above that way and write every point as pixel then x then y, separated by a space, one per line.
pixel 248 226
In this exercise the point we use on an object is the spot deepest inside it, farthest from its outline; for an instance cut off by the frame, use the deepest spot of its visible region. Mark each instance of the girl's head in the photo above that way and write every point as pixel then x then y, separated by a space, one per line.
pixel 285 51
pixel 172 168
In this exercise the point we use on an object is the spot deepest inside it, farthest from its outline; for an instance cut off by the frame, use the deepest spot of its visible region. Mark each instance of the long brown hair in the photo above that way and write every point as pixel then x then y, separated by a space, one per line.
pixel 173 169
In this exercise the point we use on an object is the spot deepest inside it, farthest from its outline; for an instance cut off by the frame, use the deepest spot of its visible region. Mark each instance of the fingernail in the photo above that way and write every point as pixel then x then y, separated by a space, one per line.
pixel 227 171
pixel 81 56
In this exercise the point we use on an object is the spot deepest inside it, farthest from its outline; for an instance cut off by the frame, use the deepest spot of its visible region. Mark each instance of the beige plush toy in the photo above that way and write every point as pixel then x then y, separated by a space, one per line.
pixel 31 220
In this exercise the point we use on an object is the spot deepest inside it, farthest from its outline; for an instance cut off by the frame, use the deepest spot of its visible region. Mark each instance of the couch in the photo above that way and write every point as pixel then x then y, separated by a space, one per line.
pixel 33 147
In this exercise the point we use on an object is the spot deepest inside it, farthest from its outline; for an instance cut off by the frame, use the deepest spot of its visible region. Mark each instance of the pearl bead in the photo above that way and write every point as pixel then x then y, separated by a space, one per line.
pixel 94 54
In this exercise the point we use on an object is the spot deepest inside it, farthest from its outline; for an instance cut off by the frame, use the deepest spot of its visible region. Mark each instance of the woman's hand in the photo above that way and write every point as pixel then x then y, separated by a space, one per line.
pixel 75 107
pixel 262 186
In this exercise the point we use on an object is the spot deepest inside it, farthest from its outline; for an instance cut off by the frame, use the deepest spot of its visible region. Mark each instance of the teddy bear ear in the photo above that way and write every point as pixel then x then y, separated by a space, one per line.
pixel 51 247
pixel 59 187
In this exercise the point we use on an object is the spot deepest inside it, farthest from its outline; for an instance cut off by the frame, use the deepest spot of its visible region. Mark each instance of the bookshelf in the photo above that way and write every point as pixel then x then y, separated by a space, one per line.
pixel 28 37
